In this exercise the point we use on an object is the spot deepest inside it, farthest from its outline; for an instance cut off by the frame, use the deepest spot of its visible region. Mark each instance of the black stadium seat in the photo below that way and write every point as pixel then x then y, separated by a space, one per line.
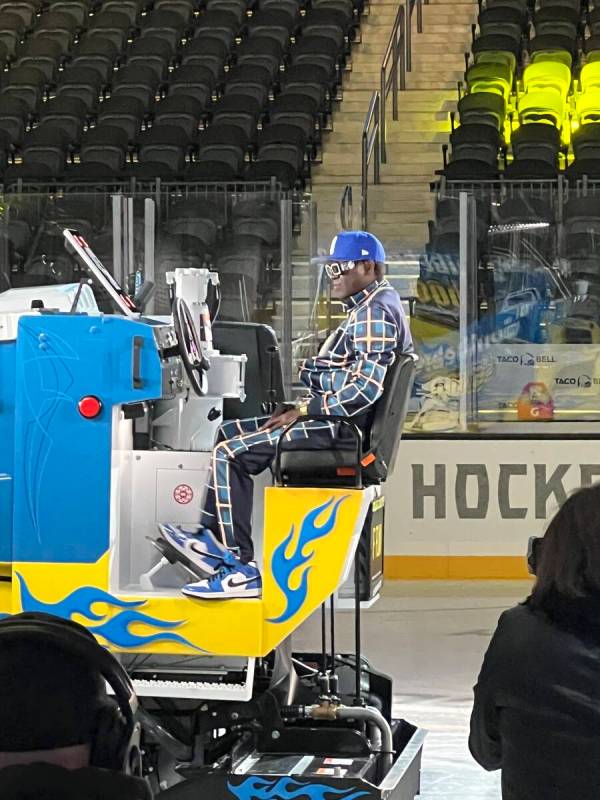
pixel 274 24
pixel 66 113
pixel 192 81
pixel 164 144
pixel 252 81
pixel 300 111
pixel 84 83
pixel 209 52
pixel 14 114
pixel 153 52
pixel 223 144
pixel 112 25
pixel 26 83
pixel 98 53
pixel 244 112
pixel 181 111
pixel 136 81
pixel 167 25
pixel 260 51
pixel 106 145
pixel 43 54
pixel 122 112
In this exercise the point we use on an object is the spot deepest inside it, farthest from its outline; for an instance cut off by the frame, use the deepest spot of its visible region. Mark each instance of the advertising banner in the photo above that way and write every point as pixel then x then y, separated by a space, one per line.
pixel 481 498
pixel 525 382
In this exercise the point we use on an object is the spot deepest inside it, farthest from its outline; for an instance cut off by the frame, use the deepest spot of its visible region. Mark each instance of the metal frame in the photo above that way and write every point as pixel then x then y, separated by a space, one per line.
pixel 397 61
pixel 370 145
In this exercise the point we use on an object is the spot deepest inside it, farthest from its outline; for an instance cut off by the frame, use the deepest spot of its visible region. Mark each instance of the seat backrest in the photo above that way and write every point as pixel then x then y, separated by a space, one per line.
pixel 389 417
pixel 264 377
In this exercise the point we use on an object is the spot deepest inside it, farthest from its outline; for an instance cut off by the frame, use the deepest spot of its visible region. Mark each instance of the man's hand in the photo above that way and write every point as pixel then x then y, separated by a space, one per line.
pixel 281 420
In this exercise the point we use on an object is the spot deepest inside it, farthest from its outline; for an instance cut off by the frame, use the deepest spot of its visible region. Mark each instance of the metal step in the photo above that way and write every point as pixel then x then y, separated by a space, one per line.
pixel 155 686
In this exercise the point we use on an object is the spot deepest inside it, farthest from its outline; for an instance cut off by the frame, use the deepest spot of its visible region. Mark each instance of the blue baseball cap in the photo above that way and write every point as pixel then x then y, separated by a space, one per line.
pixel 355 246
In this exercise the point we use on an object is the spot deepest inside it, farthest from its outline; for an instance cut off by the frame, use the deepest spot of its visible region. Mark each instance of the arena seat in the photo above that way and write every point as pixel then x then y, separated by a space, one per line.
pixel 96 52
pixel 112 25
pixel 259 219
pixel 536 140
pixel 475 141
pixel 84 83
pixel 251 80
pixel 586 141
pixel 243 112
pixel 501 20
pixel 261 51
pixel 155 52
pixel 299 110
pixel 559 20
pixel 14 114
pixel 136 81
pixel 553 47
pixel 66 113
pixel 547 76
pixel 223 143
pixel 44 54
pixel 490 76
pixel 223 25
pixel 282 171
pixel 181 111
pixel 107 145
pixel 122 112
pixel 167 25
pixel 131 8
pixel 541 106
pixel 275 24
pixel 484 108
pixel 192 81
pixel 12 29
pixel 210 52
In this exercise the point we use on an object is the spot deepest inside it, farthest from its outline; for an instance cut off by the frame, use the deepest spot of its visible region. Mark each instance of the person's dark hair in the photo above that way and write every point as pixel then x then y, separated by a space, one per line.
pixel 379 270
pixel 569 564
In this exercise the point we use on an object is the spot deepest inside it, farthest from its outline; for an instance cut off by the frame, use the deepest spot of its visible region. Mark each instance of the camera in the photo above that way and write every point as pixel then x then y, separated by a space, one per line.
pixel 534 552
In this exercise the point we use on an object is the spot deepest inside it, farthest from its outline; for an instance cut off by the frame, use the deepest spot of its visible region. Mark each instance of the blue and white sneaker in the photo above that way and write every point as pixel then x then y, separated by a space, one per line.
pixel 196 544
pixel 234 579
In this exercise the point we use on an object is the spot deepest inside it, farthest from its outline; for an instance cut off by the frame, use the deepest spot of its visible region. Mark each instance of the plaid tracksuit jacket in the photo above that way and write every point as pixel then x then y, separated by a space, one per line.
pixel 343 380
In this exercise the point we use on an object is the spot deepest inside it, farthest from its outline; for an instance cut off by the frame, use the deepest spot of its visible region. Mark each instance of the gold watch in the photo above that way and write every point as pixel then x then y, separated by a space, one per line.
pixel 302 407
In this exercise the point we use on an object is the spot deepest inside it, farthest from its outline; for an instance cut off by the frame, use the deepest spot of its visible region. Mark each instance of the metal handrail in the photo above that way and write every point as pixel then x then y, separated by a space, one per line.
pixel 396 62
pixel 370 146
pixel 346 209
pixel 396 54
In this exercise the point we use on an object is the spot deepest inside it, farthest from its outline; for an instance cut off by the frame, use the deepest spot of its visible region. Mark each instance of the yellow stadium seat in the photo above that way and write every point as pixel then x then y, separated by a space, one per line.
pixel 492 76
pixel 587 107
pixel 497 57
pixel 542 106
pixel 542 76
pixel 589 78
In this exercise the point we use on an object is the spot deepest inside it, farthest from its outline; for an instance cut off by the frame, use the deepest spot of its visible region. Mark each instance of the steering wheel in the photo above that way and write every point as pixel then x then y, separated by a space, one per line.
pixel 190 349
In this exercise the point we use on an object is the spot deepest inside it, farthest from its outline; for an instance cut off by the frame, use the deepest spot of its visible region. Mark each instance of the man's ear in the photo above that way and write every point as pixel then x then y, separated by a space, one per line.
pixel 370 268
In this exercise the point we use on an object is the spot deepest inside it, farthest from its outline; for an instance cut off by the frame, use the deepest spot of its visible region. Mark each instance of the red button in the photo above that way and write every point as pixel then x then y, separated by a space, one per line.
pixel 89 407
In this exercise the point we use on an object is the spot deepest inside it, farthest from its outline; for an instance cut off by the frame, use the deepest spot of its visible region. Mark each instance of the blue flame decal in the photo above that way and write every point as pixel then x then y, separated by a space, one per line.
pixel 256 788
pixel 283 567
pixel 116 629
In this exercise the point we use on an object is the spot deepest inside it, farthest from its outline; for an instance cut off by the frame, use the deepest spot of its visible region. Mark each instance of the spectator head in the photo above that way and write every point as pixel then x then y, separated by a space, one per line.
pixel 569 560
pixel 55 707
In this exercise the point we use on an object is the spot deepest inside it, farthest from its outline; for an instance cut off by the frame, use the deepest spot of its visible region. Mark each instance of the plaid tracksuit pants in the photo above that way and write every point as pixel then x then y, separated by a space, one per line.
pixel 240 452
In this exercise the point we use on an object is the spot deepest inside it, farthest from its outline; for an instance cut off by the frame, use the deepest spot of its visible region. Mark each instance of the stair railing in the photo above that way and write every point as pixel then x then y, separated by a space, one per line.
pixel 397 61
pixel 390 79
pixel 371 149
pixel 346 221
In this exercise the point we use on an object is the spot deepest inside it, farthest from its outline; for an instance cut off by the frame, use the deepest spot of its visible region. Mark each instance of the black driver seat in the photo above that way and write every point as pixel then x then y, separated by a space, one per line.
pixel 363 455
